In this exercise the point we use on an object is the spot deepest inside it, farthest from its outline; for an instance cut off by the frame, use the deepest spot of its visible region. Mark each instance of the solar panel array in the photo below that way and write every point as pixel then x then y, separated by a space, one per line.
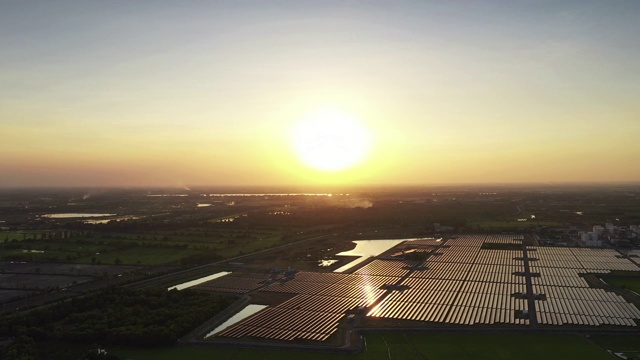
pixel 585 259
pixel 456 254
pixel 500 257
pixel 570 300
pixel 305 283
pixel 386 268
pixel 353 291
pixel 286 324
pixel 558 311
pixel 595 260
pixel 487 286
pixel 322 300
pixel 463 285
pixel 426 242
pixel 504 239
pixel 411 311
pixel 366 280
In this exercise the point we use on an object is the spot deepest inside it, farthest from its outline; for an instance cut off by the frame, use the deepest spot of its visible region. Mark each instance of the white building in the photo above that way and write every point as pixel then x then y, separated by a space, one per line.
pixel 598 229
pixel 611 229
pixel 590 239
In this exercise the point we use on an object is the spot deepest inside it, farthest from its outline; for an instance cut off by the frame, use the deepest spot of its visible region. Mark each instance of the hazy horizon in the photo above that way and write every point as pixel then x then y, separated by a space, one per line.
pixel 336 188
pixel 166 94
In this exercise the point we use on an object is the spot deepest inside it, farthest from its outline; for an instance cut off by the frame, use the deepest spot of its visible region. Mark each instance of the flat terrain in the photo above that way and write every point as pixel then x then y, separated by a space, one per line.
pixel 629 345
pixel 408 347
pixel 626 282
pixel 158 238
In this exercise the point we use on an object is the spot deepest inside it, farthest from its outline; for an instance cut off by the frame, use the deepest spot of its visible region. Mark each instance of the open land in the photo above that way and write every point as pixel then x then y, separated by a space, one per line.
pixel 419 346
pixel 510 260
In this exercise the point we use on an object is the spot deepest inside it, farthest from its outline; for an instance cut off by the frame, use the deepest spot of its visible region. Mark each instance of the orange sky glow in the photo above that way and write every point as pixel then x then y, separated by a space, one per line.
pixel 133 94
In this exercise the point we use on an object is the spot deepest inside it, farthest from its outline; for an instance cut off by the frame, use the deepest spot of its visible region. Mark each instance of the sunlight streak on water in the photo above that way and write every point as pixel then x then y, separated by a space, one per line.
pixel 241 315
pixel 73 215
pixel 368 248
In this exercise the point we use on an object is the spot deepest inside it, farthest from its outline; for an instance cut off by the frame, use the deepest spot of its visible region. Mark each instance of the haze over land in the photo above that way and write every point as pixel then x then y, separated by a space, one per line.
pixel 207 93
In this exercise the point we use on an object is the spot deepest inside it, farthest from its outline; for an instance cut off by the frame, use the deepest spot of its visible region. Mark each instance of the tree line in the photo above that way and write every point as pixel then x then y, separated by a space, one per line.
pixel 117 316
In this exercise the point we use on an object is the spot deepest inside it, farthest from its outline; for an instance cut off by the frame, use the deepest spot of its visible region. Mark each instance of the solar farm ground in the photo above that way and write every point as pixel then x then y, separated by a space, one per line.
pixel 416 346
pixel 624 281
pixel 476 281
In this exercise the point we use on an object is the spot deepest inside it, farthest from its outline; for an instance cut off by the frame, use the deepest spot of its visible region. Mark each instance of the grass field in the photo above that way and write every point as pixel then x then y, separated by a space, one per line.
pixel 407 347
pixel 507 346
pixel 208 353
pixel 140 256
pixel 136 248
pixel 629 345
pixel 628 282
pixel 512 225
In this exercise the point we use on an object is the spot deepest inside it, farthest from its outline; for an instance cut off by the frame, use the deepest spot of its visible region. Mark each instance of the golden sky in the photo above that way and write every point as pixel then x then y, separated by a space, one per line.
pixel 207 93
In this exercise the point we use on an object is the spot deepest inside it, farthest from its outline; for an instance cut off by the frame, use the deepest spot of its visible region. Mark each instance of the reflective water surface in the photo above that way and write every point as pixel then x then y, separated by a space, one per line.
pixel 74 215
pixel 241 315
pixel 195 282
pixel 368 248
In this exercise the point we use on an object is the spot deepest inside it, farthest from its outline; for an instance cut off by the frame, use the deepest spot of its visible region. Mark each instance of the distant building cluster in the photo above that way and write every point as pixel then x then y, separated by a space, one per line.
pixel 614 234
pixel 590 239
pixel 443 228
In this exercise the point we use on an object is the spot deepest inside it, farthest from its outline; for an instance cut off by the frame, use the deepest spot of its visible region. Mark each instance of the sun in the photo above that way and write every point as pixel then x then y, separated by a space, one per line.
pixel 330 140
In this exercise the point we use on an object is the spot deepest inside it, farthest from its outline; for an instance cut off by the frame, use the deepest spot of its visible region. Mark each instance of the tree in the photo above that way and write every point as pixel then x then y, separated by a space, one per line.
pixel 22 348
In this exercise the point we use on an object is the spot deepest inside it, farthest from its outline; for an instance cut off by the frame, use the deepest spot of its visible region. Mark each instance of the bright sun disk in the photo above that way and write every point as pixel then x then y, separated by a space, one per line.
pixel 330 140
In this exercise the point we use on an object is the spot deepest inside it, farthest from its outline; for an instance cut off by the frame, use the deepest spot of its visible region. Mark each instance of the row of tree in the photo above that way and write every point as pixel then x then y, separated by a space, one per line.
pixel 118 316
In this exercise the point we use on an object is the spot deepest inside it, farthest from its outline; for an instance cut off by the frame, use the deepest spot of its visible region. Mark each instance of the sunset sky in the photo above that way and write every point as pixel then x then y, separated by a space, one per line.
pixel 172 93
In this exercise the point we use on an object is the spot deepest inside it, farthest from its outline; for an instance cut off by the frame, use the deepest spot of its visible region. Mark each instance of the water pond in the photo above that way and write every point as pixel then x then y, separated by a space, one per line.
pixel 368 248
pixel 195 282
pixel 74 215
pixel 239 316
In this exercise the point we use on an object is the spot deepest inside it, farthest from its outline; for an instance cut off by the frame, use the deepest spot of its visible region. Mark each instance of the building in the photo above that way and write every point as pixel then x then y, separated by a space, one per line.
pixel 598 229
pixel 590 239
pixel 610 228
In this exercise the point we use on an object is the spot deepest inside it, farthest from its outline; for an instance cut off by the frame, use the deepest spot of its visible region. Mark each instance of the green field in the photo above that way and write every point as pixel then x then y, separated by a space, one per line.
pixel 507 346
pixel 140 256
pixel 629 345
pixel 139 247
pixel 208 353
pixel 627 282
pixel 512 225
pixel 411 346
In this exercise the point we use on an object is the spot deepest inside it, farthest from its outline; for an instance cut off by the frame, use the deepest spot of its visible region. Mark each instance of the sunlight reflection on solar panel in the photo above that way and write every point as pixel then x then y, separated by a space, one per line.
pixel 463 283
